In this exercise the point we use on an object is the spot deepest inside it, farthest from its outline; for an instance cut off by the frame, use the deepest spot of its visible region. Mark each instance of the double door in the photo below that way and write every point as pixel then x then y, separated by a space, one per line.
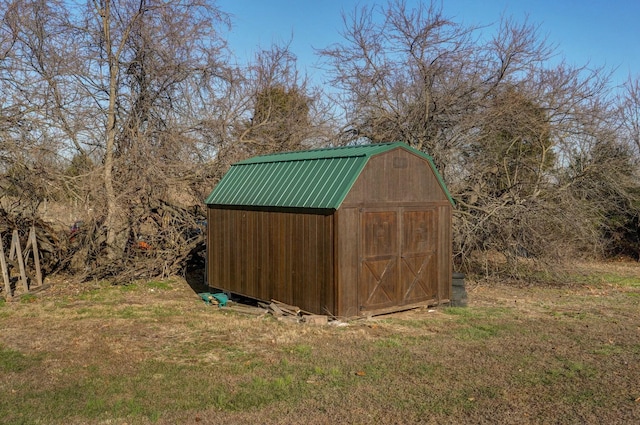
pixel 397 258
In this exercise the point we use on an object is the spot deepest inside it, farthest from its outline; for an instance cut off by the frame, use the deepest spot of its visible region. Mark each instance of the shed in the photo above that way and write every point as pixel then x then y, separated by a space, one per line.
pixel 347 231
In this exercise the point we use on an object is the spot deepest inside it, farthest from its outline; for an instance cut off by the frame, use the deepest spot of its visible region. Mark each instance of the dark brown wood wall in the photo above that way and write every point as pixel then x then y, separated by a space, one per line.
pixel 401 182
pixel 352 250
pixel 347 231
pixel 445 255
pixel 286 256
pixel 396 176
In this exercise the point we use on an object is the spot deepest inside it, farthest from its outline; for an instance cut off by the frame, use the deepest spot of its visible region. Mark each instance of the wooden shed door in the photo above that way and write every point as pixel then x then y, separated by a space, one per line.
pixel 417 257
pixel 378 286
pixel 398 258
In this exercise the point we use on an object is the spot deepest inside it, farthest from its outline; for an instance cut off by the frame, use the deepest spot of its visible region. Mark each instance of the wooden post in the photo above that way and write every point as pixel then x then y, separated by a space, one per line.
pixel 33 243
pixel 17 252
pixel 5 273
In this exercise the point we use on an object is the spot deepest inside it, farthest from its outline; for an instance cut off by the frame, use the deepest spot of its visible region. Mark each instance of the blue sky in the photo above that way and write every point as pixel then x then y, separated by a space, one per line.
pixel 597 32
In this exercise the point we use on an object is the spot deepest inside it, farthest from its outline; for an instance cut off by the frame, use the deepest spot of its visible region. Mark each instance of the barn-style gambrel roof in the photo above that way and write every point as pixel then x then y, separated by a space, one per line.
pixel 314 179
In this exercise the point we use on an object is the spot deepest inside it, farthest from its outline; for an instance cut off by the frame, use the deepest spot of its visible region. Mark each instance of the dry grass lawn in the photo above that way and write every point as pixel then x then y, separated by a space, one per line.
pixel 154 353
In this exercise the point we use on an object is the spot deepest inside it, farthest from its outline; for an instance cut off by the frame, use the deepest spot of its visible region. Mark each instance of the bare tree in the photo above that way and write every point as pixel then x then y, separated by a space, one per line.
pixel 127 89
pixel 147 64
pixel 402 72
pixel 630 111
pixel 34 127
pixel 503 125
pixel 280 111
pixel 280 117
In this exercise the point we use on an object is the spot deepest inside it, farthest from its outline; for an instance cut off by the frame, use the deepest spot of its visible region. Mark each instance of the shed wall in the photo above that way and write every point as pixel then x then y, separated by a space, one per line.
pixel 396 176
pixel 347 229
pixel 445 250
pixel 357 262
pixel 287 256
pixel 394 186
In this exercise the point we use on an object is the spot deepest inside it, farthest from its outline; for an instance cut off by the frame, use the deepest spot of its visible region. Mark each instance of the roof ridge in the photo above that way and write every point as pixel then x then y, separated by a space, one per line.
pixel 317 154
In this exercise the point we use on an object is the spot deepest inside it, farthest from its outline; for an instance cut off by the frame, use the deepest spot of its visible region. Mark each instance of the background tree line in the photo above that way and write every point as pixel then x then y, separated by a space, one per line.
pixel 130 112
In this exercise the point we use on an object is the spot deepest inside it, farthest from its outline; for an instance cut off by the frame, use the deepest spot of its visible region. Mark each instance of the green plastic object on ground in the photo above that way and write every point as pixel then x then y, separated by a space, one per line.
pixel 221 298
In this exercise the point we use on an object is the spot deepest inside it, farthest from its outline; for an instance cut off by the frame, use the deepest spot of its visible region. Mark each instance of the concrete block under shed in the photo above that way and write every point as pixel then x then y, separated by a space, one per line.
pixel 316 320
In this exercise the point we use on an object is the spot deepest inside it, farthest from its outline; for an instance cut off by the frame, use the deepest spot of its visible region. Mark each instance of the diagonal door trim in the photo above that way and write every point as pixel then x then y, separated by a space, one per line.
pixel 379 280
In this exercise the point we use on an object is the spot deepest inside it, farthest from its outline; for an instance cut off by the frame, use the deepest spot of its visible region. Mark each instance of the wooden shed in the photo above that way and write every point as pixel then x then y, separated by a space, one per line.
pixel 346 231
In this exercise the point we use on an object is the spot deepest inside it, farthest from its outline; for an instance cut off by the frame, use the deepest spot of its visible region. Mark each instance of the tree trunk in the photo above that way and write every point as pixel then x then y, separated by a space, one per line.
pixel 115 222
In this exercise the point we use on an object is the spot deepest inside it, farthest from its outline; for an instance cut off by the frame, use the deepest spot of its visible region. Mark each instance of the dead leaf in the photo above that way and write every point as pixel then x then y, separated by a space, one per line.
pixel 360 373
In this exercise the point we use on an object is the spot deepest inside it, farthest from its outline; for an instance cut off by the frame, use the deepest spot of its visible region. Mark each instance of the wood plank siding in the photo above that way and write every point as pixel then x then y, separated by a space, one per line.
pixel 396 176
pixel 349 231
pixel 287 256
pixel 397 189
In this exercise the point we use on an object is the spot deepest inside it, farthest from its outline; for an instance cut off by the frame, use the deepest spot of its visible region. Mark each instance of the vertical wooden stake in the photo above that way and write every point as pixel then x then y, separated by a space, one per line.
pixel 12 249
pixel 15 249
pixel 5 273
pixel 36 254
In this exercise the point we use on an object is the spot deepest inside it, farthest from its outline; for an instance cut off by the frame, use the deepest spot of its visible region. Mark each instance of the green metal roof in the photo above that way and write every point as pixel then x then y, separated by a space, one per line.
pixel 318 179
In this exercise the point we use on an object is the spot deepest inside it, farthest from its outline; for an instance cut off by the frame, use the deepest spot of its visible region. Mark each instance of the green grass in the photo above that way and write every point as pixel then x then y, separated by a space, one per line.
pixel 101 395
pixel 597 278
pixel 132 355
pixel 163 285
pixel 618 280
pixel 260 391
pixel 389 342
pixel 477 332
pixel 607 350
pixel 15 361
pixel 28 298
pixel 303 350
pixel 144 391
pixel 565 370
pixel 478 324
